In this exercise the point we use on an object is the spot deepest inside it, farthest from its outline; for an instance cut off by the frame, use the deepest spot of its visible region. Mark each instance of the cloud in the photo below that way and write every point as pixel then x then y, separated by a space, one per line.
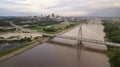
pixel 107 12
pixel 64 7
pixel 7 12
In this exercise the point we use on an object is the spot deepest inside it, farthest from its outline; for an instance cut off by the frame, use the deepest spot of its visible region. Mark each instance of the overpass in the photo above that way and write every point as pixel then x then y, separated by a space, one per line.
pixel 19 28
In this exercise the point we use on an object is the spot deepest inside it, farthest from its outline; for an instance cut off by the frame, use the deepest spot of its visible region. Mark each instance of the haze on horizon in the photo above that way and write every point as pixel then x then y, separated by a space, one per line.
pixel 102 8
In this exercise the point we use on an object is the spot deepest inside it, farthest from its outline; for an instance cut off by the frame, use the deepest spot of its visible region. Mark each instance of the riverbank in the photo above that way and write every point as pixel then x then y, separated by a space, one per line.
pixel 13 52
pixel 112 31
pixel 56 28
pixel 114 58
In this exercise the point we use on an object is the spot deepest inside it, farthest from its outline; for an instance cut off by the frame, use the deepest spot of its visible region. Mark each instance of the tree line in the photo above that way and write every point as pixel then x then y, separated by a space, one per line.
pixel 112 30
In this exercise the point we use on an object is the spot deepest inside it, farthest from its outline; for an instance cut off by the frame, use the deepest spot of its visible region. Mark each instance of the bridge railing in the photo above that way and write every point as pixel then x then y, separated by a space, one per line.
pixel 86 40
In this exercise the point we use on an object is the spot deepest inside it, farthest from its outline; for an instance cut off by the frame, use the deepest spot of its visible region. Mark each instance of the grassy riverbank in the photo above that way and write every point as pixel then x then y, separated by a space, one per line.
pixel 15 51
pixel 114 58
pixel 112 30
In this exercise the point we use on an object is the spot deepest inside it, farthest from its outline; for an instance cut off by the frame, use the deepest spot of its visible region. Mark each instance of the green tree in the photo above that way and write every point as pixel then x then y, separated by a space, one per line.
pixel 116 60
pixel 115 38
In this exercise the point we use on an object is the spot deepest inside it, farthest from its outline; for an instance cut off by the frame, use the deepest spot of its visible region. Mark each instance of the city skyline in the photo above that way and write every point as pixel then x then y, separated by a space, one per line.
pixel 101 8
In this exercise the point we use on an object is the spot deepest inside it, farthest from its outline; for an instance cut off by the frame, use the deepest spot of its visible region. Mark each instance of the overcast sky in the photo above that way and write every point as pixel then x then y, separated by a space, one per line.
pixel 61 7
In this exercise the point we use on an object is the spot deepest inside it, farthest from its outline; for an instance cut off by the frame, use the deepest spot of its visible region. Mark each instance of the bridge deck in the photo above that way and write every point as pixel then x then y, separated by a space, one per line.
pixel 86 40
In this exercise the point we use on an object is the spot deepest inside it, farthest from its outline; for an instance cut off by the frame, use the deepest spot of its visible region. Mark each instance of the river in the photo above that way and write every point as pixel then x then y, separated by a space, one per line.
pixel 59 55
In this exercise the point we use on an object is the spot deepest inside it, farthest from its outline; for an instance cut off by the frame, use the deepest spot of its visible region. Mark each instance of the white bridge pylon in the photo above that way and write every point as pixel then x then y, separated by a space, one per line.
pixel 80 35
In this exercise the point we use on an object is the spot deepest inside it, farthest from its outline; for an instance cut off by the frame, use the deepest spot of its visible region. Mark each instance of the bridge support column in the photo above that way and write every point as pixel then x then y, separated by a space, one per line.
pixel 80 43
pixel 80 35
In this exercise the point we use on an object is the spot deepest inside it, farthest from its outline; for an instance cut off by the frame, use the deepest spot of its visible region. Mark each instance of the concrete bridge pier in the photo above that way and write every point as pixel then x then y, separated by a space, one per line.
pixel 79 43
pixel 113 48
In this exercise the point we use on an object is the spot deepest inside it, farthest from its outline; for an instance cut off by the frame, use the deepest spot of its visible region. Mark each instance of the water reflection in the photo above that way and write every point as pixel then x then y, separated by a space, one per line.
pixel 78 51
pixel 57 55
pixel 79 48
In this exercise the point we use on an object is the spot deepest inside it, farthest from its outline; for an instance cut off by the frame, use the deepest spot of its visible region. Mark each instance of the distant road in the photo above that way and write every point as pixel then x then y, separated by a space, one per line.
pixel 21 29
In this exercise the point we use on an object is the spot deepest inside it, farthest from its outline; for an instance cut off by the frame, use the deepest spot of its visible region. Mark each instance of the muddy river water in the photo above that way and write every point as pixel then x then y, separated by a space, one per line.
pixel 58 55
